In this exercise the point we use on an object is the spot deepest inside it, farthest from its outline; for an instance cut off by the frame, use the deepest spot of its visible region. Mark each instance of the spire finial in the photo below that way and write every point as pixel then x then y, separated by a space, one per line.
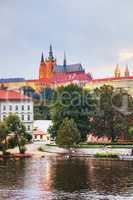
pixel 42 58
pixel 51 57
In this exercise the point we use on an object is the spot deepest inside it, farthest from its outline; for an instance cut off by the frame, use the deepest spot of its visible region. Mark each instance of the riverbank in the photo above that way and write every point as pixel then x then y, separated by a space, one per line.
pixel 42 150
pixel 89 151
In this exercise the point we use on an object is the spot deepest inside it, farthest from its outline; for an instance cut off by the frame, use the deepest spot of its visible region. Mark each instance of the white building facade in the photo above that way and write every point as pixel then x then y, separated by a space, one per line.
pixel 15 103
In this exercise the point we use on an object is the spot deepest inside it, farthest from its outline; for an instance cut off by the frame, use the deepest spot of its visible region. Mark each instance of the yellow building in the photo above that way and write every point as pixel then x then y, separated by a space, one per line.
pixel 124 82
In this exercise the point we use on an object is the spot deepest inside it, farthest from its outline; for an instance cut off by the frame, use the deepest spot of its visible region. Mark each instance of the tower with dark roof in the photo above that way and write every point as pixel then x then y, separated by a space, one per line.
pixel 42 58
pixel 50 57
pixel 50 63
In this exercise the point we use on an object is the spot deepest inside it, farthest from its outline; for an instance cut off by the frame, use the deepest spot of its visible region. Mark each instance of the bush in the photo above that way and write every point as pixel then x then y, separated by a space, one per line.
pixel 23 149
pixel 106 155
pixel 40 149
pixel 130 131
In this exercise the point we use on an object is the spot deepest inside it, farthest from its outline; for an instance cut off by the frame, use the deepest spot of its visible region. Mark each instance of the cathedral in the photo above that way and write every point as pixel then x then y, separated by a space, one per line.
pixel 51 74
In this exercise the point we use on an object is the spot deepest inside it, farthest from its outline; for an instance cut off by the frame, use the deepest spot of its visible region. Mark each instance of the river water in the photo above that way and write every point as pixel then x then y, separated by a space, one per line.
pixel 56 178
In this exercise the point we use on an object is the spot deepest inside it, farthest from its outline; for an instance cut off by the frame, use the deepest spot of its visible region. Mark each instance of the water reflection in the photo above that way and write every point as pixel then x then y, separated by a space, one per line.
pixel 55 178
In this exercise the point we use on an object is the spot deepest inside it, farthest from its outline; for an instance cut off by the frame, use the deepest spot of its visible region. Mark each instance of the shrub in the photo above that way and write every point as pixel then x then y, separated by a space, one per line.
pixel 40 149
pixel 23 149
pixel 106 155
pixel 130 131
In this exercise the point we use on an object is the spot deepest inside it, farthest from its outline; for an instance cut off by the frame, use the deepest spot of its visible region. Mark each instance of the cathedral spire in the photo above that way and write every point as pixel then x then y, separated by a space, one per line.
pixel 50 57
pixel 117 71
pixel 42 58
pixel 126 71
pixel 64 61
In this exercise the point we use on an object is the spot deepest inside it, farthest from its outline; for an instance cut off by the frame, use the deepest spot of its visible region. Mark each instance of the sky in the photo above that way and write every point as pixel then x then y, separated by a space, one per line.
pixel 96 33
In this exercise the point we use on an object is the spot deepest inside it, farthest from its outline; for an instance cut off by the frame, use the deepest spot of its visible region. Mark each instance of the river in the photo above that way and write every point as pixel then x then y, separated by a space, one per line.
pixel 57 178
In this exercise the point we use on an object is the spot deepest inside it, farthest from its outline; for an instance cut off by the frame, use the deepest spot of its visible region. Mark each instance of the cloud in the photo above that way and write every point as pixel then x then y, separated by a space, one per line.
pixel 126 55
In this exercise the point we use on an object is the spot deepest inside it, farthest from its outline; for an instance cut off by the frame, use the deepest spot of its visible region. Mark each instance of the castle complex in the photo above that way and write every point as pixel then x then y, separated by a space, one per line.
pixel 53 75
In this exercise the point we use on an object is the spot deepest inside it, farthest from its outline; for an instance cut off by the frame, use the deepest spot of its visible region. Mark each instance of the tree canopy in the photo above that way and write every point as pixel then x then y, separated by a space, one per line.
pixel 68 134
pixel 75 103
pixel 114 117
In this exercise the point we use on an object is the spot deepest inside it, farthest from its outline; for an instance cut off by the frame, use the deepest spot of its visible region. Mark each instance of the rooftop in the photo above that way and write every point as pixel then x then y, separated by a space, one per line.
pixel 12 95
pixel 9 80
pixel 68 77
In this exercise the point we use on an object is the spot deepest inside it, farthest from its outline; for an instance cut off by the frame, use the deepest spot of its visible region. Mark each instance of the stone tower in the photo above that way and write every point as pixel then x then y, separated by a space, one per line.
pixel 50 62
pixel 127 71
pixel 42 69
pixel 117 71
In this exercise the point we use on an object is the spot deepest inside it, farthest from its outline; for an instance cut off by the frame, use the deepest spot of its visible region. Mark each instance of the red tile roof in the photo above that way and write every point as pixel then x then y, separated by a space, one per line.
pixel 12 95
pixel 68 77
pixel 39 132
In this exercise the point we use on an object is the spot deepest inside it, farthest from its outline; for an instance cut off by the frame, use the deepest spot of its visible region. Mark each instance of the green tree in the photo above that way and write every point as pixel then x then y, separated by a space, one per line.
pixel 15 126
pixel 41 112
pixel 3 135
pixel 75 103
pixel 130 131
pixel 68 134
pixel 112 120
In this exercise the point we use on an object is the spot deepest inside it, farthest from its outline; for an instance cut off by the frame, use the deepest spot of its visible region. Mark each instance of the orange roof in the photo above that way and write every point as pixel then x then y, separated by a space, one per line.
pixel 12 95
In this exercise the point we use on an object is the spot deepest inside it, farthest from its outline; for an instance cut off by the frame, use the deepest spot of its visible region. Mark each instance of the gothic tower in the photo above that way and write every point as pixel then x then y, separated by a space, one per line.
pixel 50 62
pixel 117 71
pixel 127 71
pixel 65 63
pixel 42 69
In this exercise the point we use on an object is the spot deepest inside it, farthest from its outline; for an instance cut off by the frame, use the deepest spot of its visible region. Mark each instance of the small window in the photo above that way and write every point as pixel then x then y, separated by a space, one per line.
pixel 28 117
pixel 4 107
pixel 35 136
pixel 41 137
pixel 10 108
pixel 16 108
pixel 28 107
pixel 28 128
pixel 22 117
pixel 22 107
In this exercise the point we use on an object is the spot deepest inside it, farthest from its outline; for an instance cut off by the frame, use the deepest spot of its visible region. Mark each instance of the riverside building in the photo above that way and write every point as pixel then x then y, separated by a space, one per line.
pixel 16 103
